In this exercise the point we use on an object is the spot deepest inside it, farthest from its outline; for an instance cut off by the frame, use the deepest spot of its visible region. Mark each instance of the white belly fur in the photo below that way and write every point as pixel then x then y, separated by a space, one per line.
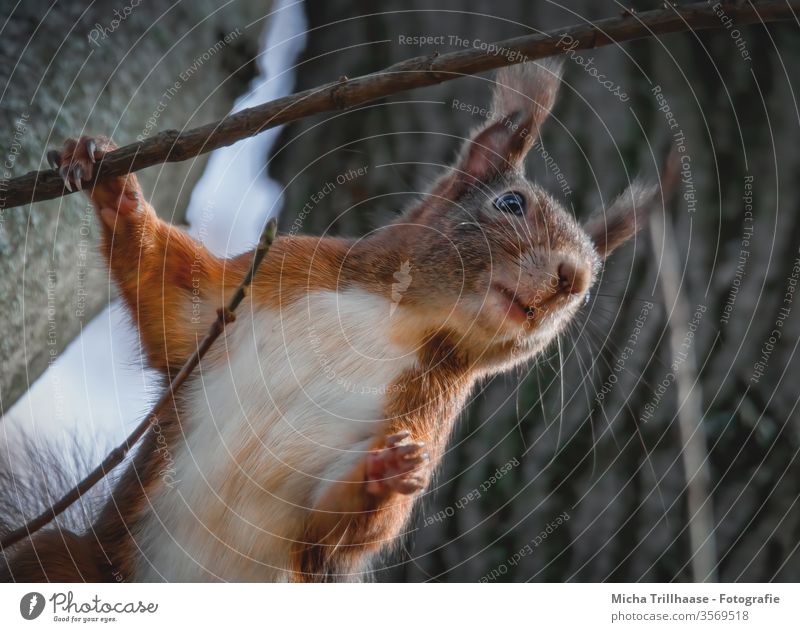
pixel 299 400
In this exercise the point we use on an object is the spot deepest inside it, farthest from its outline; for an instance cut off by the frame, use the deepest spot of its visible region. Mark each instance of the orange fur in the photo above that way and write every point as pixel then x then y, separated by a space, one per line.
pixel 157 267
pixel 349 523
pixel 486 286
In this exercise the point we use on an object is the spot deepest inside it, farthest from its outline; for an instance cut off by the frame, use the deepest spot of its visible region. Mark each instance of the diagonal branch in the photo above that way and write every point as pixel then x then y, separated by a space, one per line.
pixel 175 146
pixel 225 315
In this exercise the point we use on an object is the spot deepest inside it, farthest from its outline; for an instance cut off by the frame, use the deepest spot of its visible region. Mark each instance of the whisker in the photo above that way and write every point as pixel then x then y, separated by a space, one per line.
pixel 620 297
pixel 561 382
pixel 516 402
pixel 626 403
pixel 591 425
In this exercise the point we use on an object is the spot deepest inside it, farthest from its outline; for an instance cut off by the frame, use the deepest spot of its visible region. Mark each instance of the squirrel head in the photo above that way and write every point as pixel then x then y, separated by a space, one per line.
pixel 493 257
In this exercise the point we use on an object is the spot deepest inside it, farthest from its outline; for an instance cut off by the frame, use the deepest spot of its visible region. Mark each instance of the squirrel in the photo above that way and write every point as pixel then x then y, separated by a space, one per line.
pixel 298 448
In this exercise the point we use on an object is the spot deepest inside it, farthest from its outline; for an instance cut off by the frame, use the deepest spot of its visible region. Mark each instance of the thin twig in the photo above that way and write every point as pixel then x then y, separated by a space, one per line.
pixel 225 315
pixel 694 453
pixel 175 146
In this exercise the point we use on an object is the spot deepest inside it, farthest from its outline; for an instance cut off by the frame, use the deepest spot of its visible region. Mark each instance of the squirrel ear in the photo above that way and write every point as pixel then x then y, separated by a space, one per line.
pixel 611 228
pixel 523 98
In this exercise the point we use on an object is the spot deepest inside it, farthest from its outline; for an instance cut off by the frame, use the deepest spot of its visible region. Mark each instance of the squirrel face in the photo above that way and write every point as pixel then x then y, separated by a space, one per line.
pixel 503 263
pixel 497 260
pixel 525 264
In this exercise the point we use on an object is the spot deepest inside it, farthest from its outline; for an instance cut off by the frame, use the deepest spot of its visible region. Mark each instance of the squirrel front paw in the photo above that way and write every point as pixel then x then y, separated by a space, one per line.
pixel 76 162
pixel 402 466
pixel 76 159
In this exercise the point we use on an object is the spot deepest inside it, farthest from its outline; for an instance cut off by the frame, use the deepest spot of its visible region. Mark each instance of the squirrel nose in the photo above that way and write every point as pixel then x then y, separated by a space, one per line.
pixel 573 277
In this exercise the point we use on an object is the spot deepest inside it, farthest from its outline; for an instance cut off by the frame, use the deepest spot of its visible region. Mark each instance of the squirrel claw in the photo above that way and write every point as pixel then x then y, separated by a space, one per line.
pixel 114 196
pixel 91 147
pixel 399 467
pixel 64 173
pixel 393 440
pixel 54 158
pixel 75 161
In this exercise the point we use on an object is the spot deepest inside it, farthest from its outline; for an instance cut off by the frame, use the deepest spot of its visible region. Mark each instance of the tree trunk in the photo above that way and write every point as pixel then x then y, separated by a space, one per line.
pixel 122 71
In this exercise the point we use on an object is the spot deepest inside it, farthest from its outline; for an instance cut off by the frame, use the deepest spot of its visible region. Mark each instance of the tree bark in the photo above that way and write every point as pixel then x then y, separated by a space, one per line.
pixel 73 69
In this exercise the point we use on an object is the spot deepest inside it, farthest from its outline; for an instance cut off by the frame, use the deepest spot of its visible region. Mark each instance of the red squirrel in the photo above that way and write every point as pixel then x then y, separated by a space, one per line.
pixel 299 446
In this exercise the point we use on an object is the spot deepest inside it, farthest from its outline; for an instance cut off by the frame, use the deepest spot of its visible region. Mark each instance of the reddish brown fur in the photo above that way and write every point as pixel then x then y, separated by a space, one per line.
pixel 350 523
pixel 459 246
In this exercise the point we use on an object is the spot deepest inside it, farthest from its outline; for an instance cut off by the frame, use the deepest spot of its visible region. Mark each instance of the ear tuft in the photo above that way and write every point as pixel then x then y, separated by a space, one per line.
pixel 628 214
pixel 522 99
pixel 530 87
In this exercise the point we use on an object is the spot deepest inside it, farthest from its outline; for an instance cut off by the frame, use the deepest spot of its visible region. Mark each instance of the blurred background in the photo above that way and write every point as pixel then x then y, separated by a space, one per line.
pixel 658 441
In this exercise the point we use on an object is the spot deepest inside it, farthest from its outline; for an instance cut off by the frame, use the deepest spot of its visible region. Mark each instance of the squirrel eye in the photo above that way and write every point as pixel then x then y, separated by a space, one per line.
pixel 511 202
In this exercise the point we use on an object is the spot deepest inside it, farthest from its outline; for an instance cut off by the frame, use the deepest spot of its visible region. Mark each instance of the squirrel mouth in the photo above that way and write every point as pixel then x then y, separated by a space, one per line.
pixel 516 308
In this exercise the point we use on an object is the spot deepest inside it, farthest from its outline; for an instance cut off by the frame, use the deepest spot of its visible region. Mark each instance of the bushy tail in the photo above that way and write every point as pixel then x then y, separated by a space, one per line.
pixel 34 475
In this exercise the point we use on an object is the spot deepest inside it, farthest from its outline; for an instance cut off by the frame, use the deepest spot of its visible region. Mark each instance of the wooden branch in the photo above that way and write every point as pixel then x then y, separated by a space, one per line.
pixel 225 315
pixel 689 415
pixel 175 146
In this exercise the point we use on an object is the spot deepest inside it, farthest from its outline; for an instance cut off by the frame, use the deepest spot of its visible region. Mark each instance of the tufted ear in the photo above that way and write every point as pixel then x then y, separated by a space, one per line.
pixel 523 98
pixel 610 228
